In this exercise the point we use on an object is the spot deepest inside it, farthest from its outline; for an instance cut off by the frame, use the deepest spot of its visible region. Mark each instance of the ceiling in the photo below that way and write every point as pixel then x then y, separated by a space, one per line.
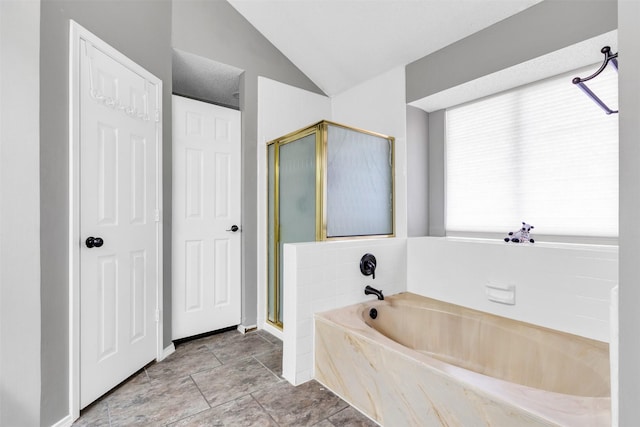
pixel 205 80
pixel 339 44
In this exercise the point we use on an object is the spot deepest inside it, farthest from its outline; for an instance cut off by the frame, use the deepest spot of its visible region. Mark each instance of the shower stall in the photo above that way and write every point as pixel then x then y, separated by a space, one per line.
pixel 327 181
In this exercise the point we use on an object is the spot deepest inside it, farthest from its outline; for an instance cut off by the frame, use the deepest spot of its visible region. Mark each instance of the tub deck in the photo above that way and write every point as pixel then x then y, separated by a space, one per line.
pixel 476 369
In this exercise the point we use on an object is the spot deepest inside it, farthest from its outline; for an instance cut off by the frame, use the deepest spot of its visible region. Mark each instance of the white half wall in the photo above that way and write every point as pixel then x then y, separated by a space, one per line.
pixel 20 327
pixel 322 276
pixel 558 286
pixel 281 109
pixel 379 105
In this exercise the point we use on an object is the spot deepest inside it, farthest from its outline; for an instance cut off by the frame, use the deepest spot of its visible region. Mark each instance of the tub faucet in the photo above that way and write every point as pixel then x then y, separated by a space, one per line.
pixel 368 290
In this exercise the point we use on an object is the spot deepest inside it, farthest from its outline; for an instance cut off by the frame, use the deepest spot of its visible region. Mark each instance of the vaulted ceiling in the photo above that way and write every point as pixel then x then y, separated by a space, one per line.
pixel 341 43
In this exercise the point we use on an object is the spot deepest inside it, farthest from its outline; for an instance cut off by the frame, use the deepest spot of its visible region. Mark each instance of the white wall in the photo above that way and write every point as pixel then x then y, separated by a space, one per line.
pixel 322 276
pixel 19 213
pixel 379 105
pixel 563 287
pixel 281 109
pixel 311 285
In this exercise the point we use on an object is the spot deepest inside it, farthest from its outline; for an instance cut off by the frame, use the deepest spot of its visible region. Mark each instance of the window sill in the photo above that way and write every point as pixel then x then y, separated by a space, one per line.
pixel 540 242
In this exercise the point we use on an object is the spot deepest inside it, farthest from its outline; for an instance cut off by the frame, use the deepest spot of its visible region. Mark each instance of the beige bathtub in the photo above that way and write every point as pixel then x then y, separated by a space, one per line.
pixel 423 362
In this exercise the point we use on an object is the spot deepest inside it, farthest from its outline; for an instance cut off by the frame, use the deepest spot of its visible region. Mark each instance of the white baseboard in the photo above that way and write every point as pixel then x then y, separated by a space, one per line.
pixel 168 351
pixel 65 422
pixel 244 329
pixel 274 331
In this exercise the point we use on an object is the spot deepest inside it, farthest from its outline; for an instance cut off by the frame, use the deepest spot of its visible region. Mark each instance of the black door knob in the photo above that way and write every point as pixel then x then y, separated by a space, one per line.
pixel 94 242
pixel 233 228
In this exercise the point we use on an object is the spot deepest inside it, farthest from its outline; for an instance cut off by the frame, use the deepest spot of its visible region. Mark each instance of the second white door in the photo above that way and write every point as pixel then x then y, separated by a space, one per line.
pixel 206 289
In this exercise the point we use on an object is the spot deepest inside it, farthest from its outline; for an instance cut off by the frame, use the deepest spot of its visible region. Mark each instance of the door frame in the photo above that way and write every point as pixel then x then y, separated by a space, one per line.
pixel 78 33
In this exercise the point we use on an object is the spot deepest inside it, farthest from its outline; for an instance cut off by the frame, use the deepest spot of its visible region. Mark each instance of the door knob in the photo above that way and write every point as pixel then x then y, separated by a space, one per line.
pixel 233 228
pixel 94 242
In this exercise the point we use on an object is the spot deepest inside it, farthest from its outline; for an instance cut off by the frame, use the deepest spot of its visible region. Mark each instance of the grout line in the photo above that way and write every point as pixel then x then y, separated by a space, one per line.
pixel 265 367
pixel 337 412
pixel 265 339
pixel 184 418
pixel 232 400
pixel 265 411
pixel 200 391
pixel 216 357
pixel 108 414
pixel 147 375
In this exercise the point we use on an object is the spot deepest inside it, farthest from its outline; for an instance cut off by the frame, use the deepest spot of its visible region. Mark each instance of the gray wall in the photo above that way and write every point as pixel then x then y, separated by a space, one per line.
pixel 436 173
pixel 142 31
pixel 541 29
pixel 19 214
pixel 215 30
pixel 536 31
pixel 418 184
pixel 629 128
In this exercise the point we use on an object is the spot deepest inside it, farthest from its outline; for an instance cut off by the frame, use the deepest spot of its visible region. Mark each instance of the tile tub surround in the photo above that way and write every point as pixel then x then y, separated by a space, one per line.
pixel 322 276
pixel 566 287
pixel 397 385
pixel 226 379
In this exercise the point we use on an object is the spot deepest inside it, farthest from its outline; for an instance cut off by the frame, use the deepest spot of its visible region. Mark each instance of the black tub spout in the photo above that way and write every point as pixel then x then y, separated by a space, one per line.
pixel 368 290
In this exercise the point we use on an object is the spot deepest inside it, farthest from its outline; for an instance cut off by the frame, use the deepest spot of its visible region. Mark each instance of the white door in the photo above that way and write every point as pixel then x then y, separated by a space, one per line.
pixel 206 215
pixel 119 219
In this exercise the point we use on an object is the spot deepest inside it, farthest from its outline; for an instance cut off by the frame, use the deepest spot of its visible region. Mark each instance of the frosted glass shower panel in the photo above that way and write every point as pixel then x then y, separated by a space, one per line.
pixel 271 189
pixel 359 183
pixel 297 185
pixel 297 199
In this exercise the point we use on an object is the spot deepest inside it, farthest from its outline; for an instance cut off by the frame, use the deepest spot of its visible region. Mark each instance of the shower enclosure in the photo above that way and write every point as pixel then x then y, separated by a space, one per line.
pixel 326 181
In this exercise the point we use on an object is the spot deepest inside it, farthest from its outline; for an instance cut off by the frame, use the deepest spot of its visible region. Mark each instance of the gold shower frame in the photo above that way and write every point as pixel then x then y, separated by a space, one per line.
pixel 320 129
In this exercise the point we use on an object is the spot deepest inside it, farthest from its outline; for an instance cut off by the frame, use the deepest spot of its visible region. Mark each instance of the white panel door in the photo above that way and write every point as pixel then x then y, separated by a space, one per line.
pixel 206 214
pixel 119 145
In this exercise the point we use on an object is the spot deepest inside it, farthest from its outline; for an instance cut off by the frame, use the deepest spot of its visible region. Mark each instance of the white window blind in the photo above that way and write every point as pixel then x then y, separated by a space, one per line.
pixel 543 153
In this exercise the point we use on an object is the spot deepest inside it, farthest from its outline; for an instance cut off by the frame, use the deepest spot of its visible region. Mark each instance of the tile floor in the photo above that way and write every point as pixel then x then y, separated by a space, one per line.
pixel 226 379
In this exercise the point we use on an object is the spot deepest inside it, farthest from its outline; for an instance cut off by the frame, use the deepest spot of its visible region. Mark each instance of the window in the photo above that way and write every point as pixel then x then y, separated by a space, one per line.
pixel 543 153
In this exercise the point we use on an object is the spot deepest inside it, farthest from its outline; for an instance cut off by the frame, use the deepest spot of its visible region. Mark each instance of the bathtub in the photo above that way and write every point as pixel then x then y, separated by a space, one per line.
pixel 423 362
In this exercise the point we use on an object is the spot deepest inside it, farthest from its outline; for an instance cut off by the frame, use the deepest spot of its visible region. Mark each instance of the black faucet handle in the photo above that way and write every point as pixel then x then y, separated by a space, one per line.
pixel 368 265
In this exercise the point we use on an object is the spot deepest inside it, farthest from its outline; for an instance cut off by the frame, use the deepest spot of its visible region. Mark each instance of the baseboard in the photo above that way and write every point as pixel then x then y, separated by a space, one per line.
pixel 168 351
pixel 274 331
pixel 65 422
pixel 244 329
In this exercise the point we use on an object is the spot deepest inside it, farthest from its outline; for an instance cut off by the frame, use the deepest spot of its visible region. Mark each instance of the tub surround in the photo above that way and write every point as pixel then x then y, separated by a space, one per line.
pixel 566 287
pixel 567 385
pixel 322 276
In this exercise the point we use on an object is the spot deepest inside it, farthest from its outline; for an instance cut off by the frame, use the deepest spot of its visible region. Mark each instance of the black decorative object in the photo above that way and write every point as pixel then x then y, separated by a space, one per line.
pixel 608 56
pixel 368 265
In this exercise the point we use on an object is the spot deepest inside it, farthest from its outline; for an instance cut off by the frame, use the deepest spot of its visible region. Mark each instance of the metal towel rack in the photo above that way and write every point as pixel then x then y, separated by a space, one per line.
pixel 608 56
